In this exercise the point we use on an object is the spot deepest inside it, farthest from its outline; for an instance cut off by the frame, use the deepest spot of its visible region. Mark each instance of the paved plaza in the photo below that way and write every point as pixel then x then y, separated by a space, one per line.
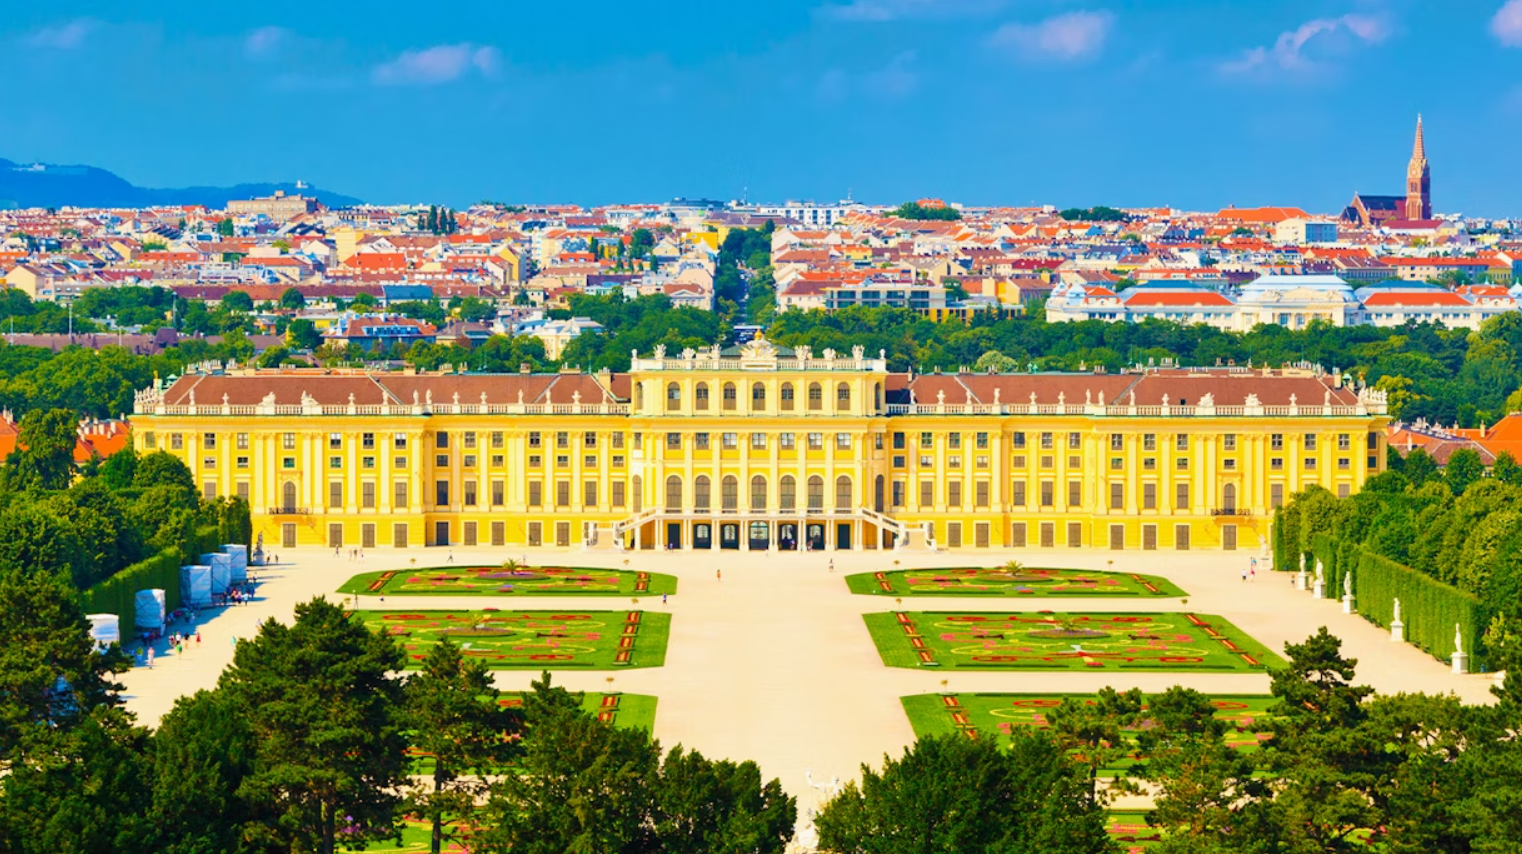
pixel 774 662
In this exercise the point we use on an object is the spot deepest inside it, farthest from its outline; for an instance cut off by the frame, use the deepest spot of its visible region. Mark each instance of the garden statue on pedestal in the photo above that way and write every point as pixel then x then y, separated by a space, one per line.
pixel 1460 658
pixel 1397 628
pixel 1347 593
pixel 1320 589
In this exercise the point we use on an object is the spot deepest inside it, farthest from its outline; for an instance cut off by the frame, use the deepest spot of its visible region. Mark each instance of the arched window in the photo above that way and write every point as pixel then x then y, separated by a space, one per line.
pixel 639 494
pixel 842 493
pixel 757 397
pixel 673 493
pixel 729 397
pixel 877 496
pixel 758 493
pixel 877 397
pixel 700 492
pixel 816 397
pixel 787 397
pixel 789 493
pixel 842 397
pixel 673 397
pixel 1229 497
pixel 700 397
pixel 288 497
pixel 731 494
pixel 816 493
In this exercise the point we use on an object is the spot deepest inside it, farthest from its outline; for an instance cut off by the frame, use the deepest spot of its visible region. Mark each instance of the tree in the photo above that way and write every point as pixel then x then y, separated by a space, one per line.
pixel 44 454
pixel 362 301
pixel 708 806
pixel 302 334
pixel 1419 467
pixel 119 469
pixel 1505 469
pixel 35 538
pixel 454 719
pixel 1092 730
pixel 161 468
pixel 292 300
pixel 225 227
pixel 954 795
pixel 203 751
pixel 582 786
pixel 917 211
pixel 1464 467
pixel 1200 781
pixel 238 301
pixel 325 715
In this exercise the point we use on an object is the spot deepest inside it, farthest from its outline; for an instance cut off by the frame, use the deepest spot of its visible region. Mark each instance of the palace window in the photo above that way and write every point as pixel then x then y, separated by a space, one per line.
pixel 700 397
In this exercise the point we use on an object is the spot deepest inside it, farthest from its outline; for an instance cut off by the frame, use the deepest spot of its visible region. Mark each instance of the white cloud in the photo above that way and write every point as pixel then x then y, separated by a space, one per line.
pixel 1288 52
pixel 438 64
pixel 1507 24
pixel 896 79
pixel 66 36
pixel 892 10
pixel 265 42
pixel 1067 37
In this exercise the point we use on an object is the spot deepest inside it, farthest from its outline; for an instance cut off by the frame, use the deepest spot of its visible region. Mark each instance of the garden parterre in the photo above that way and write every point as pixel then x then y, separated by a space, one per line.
pixel 510 579
pixel 1009 581
pixel 539 640
pixel 997 715
pixel 1047 640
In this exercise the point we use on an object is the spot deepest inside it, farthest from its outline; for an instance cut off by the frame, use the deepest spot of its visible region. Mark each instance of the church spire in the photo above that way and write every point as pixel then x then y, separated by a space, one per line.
pixel 1419 150
pixel 1419 178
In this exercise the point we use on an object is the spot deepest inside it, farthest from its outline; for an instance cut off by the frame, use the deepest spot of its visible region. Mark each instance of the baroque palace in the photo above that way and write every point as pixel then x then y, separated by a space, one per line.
pixel 762 447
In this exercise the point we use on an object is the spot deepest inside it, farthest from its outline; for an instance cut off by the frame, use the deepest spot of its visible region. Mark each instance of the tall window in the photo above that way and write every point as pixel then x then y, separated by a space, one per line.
pixel 789 493
pixel 842 397
pixel 731 492
pixel 816 493
pixel 729 397
pixel 700 397
pixel 757 397
pixel 816 397
pixel 673 397
pixel 842 492
pixel 673 493
pixel 700 492
pixel 787 397
pixel 758 493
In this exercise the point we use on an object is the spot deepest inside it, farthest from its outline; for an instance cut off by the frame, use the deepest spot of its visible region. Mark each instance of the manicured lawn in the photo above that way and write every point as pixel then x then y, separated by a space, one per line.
pixel 997 715
pixel 1052 641
pixel 520 581
pixel 536 640
pixel 999 581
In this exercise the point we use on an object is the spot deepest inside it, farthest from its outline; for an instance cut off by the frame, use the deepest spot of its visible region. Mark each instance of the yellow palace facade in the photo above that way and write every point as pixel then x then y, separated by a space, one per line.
pixel 765 448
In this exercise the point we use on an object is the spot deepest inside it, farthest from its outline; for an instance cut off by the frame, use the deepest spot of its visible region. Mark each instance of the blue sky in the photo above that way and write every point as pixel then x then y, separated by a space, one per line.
pixel 1069 102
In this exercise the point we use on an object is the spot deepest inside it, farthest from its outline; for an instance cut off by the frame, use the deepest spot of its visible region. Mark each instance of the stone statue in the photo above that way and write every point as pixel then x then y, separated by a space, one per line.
pixel 1458 640
pixel 688 353
pixel 858 351
pixel 996 395
pixel 1347 584
pixel 1252 400
pixel 1320 571
pixel 520 397
pixel 660 351
pixel 1207 399
pixel 1397 611
pixel 829 354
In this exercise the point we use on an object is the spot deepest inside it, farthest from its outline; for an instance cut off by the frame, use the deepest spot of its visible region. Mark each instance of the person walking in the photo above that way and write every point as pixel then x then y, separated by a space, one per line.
pixel 718 574
pixel 663 600
pixel 832 564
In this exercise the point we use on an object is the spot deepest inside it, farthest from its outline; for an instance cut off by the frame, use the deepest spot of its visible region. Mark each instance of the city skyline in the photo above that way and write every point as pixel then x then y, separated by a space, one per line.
pixel 883 100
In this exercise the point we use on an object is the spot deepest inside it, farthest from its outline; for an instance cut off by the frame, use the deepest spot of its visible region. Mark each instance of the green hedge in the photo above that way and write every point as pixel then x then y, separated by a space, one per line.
pixel 206 539
pixel 118 594
pixel 1428 607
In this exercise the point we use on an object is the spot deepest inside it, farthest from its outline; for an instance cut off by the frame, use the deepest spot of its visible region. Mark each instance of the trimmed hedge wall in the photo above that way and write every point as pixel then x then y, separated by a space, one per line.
pixel 1428 607
pixel 118 594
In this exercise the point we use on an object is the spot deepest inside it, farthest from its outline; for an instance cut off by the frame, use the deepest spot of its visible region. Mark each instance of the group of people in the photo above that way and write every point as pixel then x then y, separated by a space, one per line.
pixel 355 555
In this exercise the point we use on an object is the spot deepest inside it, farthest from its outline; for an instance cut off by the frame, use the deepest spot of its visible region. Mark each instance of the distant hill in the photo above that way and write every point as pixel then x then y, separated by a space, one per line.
pixel 49 186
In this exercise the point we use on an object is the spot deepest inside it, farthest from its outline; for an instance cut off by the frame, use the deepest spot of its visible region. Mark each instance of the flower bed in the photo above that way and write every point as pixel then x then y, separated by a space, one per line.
pixel 510 581
pixel 532 639
pixel 1001 581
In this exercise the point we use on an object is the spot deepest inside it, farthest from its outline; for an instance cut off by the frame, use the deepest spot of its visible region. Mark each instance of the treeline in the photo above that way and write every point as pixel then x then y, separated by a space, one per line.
pixel 1337 769
pixel 303 746
pixel 1459 526
pixel 88 523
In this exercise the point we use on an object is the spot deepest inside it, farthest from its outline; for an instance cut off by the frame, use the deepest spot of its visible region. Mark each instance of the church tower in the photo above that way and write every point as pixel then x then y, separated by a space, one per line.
pixel 1419 180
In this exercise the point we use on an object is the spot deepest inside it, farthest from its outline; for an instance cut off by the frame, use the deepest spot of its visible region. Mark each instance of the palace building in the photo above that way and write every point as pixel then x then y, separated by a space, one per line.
pixel 766 448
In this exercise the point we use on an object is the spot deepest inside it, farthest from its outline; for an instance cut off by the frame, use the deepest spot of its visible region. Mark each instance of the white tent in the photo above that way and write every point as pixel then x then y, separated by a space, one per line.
pixel 195 586
pixel 239 555
pixel 105 629
pixel 150 609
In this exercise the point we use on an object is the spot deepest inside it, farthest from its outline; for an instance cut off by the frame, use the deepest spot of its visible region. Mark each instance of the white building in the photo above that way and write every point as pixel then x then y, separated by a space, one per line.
pixel 810 213
pixel 1300 232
